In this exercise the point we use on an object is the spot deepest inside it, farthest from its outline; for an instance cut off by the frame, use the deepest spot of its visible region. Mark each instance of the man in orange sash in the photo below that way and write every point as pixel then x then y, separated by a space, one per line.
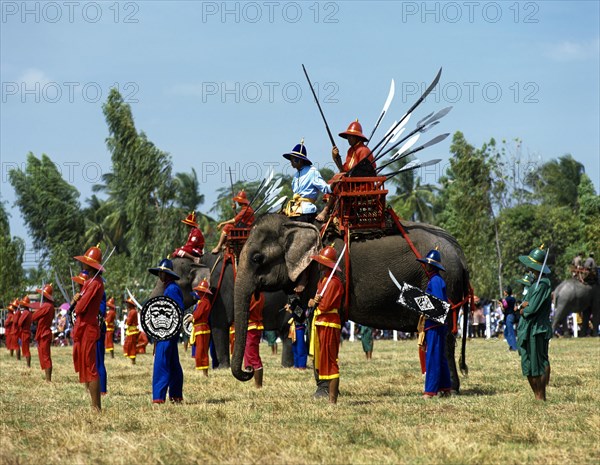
pixel 132 331
pixel 201 332
pixel 43 335
pixel 111 316
pixel 326 321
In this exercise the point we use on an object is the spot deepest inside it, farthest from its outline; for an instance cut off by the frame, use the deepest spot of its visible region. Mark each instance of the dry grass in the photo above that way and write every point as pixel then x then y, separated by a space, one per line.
pixel 380 417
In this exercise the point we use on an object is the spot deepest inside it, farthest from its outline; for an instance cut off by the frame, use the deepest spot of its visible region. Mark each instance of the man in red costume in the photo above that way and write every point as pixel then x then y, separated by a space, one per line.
pixel 243 219
pixel 326 321
pixel 132 331
pixel 43 335
pixel 201 332
pixel 111 316
pixel 359 160
pixel 25 325
pixel 87 330
pixel 255 327
pixel 9 326
pixel 194 247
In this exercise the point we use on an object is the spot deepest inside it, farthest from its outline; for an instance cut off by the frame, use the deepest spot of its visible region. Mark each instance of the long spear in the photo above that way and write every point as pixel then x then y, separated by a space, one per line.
pixel 415 105
pixel 319 106
pixel 386 105
pixel 333 271
pixel 232 191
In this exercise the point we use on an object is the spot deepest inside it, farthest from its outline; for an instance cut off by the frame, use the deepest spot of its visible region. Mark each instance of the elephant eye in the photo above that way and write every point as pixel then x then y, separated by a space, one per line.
pixel 258 258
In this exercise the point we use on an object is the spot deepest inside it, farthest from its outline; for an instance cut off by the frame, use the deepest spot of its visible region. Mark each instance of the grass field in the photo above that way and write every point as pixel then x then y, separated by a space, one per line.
pixel 380 416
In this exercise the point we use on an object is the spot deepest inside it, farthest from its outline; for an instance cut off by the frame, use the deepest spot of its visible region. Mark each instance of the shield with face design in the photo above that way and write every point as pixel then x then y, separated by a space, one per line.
pixel 161 318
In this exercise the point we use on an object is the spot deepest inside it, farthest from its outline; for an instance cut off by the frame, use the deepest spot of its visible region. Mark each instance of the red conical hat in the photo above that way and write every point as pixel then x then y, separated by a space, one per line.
pixel 92 257
pixel 111 303
pixel 203 287
pixel 354 129
pixel 46 292
pixel 25 302
pixel 81 278
pixel 241 198
pixel 190 220
pixel 327 256
pixel 130 301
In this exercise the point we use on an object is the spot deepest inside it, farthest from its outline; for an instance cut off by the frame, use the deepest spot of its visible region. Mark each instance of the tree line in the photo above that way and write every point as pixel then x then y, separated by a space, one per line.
pixel 496 202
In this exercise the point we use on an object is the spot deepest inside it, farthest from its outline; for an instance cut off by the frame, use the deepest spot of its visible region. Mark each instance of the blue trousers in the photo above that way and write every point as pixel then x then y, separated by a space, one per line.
pixel 509 331
pixel 100 364
pixel 167 372
pixel 299 349
pixel 437 376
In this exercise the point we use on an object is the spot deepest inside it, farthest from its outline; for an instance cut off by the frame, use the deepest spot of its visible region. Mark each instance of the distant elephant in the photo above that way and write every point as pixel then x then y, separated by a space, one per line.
pixel 278 253
pixel 573 296
pixel 190 275
pixel 221 315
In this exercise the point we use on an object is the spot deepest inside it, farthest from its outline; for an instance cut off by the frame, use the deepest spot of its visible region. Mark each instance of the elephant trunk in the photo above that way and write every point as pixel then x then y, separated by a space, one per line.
pixel 243 293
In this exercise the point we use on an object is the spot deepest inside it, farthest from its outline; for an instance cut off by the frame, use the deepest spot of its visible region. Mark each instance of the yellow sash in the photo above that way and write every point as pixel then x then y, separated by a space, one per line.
pixel 294 206
pixel 313 348
pixel 131 330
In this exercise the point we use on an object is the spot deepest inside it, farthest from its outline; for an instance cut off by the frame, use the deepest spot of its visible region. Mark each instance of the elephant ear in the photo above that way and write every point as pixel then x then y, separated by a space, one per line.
pixel 302 240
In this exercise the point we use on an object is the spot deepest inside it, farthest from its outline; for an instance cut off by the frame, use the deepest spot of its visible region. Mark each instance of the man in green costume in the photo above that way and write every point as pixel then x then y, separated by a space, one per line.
pixel 535 330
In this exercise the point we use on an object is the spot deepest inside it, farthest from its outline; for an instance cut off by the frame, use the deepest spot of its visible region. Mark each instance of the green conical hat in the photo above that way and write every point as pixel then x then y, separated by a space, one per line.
pixel 526 280
pixel 535 260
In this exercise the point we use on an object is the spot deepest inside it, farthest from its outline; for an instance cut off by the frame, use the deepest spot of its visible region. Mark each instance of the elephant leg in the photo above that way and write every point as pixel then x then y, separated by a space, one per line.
pixel 287 355
pixel 221 344
pixel 450 349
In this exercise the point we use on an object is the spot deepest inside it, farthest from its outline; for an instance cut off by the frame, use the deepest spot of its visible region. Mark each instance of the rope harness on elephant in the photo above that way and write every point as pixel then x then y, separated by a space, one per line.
pixel 392 221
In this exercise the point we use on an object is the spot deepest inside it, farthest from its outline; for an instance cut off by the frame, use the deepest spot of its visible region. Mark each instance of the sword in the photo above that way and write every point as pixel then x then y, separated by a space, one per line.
pixel 105 261
pixel 333 271
pixel 543 266
pixel 137 304
pixel 61 288
pixel 72 283
pixel 398 285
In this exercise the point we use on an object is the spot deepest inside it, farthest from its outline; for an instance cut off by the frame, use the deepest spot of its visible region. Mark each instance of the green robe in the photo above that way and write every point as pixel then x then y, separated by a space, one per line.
pixel 366 337
pixel 535 330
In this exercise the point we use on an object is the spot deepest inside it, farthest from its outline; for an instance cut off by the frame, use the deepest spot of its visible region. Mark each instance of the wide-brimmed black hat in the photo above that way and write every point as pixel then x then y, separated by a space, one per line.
pixel 299 152
pixel 165 265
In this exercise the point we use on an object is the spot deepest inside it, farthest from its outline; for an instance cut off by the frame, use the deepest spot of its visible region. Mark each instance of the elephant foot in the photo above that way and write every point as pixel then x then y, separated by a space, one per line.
pixel 322 389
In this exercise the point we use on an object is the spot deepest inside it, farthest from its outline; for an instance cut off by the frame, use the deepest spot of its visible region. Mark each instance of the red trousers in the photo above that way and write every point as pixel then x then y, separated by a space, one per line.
pixel 329 347
pixel 130 345
pixel 25 338
pixel 44 351
pixel 202 341
pixel 84 352
pixel 109 344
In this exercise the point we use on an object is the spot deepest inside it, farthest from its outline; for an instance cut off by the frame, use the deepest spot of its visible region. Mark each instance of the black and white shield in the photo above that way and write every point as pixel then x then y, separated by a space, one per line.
pixel 161 318
pixel 188 323
pixel 420 302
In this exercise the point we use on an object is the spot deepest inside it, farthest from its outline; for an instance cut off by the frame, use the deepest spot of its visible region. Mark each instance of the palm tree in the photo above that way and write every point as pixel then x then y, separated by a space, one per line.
pixel 187 187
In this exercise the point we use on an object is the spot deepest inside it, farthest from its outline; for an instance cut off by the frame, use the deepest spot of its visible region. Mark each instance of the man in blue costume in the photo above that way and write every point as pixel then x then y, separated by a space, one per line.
pixel 306 184
pixel 508 308
pixel 437 376
pixel 167 373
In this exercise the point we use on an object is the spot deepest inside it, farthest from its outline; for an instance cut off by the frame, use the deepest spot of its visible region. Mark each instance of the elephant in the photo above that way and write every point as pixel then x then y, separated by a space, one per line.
pixel 277 255
pixel 221 315
pixel 573 296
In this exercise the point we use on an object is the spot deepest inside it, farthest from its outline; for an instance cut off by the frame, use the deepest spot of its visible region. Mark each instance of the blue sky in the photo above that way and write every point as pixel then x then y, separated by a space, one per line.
pixel 220 84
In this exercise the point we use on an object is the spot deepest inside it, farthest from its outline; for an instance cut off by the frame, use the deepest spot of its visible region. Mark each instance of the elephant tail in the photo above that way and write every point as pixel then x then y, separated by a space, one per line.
pixel 468 307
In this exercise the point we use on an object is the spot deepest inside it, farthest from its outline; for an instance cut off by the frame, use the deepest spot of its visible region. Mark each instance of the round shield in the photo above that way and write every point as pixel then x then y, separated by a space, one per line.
pixel 188 324
pixel 161 318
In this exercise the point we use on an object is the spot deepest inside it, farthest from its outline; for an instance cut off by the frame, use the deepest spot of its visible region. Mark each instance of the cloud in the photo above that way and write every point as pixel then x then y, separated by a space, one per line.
pixel 33 76
pixel 568 50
